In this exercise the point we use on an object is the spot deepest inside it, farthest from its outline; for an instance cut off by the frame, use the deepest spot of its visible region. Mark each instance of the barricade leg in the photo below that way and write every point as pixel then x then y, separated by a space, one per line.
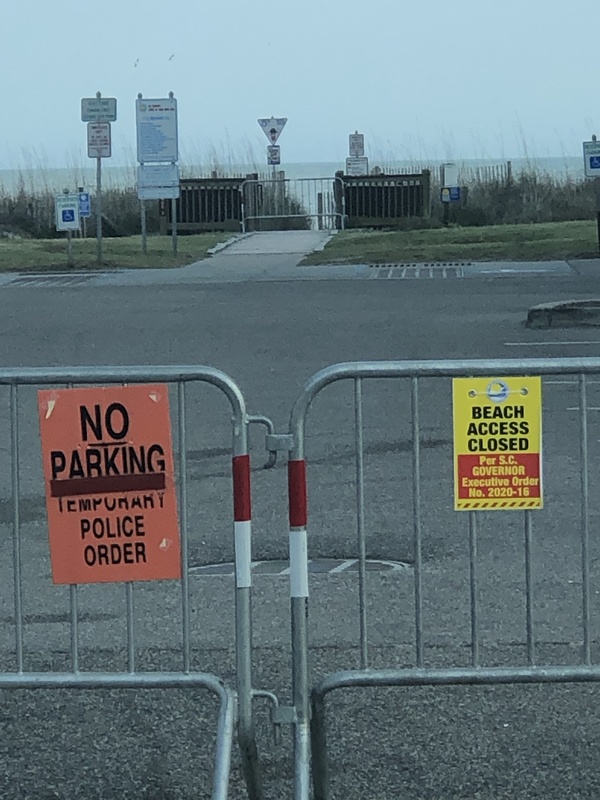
pixel 299 604
pixel 320 762
pixel 225 729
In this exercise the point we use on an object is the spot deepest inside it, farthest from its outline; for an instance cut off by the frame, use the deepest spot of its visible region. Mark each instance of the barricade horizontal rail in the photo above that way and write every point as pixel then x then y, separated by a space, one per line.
pixel 234 707
pixel 413 372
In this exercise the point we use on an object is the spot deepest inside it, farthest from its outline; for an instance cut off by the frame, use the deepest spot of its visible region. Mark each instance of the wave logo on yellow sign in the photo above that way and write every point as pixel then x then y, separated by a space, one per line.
pixel 497 443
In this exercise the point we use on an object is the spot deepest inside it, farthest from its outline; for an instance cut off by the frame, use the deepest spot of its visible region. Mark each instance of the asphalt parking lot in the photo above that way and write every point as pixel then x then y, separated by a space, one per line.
pixel 271 335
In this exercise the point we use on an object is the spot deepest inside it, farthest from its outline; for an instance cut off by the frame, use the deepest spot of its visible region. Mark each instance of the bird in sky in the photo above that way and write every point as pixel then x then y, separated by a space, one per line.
pixel 137 61
pixel 171 57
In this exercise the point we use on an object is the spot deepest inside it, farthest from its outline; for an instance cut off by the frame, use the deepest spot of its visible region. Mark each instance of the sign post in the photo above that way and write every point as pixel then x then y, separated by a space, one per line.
pixel 99 112
pixel 272 127
pixel 110 485
pixel 497 443
pixel 99 209
pixel 158 147
pixel 591 166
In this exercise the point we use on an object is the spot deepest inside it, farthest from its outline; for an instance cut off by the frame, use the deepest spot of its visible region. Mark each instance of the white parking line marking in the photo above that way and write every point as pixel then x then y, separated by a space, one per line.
pixel 589 408
pixel 570 383
pixel 546 344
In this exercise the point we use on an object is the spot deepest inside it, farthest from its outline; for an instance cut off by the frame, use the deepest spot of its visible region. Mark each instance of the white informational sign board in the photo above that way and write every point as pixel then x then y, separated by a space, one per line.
pixel 273 155
pixel 357 166
pixel 158 182
pixel 98 140
pixel 356 145
pixel 98 109
pixel 591 159
pixel 156 122
pixel 272 127
pixel 450 175
pixel 67 212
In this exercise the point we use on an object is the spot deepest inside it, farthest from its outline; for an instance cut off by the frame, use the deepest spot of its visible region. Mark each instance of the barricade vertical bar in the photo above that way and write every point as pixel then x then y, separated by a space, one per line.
pixel 529 590
pixel 299 603
pixel 74 628
pixel 585 520
pixel 17 586
pixel 130 632
pixel 183 521
pixel 74 614
pixel 474 588
pixel 242 513
pixel 416 465
pixel 360 521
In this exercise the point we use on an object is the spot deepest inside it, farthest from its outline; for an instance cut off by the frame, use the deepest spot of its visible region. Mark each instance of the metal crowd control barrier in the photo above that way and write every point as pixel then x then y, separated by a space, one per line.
pixel 292 203
pixel 310 727
pixel 234 706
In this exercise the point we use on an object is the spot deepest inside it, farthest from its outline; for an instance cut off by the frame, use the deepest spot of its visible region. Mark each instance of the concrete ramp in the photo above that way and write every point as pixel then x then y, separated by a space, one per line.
pixel 299 243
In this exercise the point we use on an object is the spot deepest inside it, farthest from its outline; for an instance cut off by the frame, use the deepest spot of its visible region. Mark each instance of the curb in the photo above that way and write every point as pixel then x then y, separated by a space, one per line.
pixel 224 245
pixel 320 247
pixel 567 313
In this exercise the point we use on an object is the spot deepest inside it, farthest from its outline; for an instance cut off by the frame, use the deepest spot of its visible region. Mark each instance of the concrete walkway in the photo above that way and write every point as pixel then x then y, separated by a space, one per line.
pixel 297 243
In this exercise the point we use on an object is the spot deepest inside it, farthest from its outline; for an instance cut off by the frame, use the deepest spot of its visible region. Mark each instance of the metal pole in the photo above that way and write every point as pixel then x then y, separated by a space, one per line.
pixel 174 224
pixel 99 210
pixel 69 248
pixel 144 227
pixel 243 620
pixel 446 215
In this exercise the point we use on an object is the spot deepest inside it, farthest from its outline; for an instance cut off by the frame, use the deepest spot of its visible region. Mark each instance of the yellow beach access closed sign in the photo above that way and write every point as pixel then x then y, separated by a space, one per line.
pixel 497 443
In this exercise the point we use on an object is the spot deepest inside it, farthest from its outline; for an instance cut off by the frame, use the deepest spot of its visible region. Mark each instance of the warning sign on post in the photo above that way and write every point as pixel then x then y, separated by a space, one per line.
pixel 497 443
pixel 110 489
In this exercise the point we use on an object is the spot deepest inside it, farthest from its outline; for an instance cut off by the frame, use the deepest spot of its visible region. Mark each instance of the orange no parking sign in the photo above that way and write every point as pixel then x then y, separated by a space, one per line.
pixel 110 488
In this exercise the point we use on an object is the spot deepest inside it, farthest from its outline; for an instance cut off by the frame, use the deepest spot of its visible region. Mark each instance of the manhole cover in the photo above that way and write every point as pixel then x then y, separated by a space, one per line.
pixel 317 566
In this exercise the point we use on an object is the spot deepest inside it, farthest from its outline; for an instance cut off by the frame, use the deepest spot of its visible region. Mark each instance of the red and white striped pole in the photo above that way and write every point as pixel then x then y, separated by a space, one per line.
pixel 298 508
pixel 242 526
pixel 242 515
pixel 298 511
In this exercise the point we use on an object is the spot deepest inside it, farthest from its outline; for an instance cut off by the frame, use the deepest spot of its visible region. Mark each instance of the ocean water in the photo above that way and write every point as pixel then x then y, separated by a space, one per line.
pixel 55 180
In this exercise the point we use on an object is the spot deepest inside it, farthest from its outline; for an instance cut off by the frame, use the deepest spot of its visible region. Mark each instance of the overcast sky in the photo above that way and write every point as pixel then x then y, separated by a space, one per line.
pixel 422 79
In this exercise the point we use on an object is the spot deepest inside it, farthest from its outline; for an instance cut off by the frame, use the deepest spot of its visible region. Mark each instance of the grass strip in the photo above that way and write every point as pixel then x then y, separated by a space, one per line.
pixel 528 242
pixel 39 255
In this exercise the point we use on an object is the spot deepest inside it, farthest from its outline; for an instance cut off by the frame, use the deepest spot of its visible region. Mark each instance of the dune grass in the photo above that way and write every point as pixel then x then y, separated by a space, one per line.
pixel 527 242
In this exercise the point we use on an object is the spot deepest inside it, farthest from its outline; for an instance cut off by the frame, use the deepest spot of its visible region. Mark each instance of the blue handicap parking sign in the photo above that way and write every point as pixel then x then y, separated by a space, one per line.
pixel 594 162
pixel 85 209
pixel 68 215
